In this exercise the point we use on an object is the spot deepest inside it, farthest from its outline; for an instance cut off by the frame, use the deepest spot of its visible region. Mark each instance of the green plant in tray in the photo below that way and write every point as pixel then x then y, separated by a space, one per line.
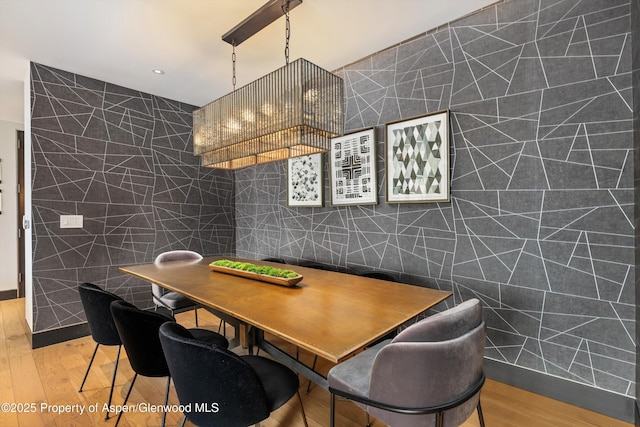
pixel 258 269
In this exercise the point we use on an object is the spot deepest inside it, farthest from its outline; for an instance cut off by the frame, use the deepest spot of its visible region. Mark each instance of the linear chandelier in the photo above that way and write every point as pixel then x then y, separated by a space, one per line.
pixel 290 112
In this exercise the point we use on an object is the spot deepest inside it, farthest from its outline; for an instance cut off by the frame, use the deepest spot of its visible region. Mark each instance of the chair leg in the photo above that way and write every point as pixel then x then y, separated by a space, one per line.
pixel 126 398
pixel 184 420
pixel 166 400
pixel 89 367
pixel 222 326
pixel 368 419
pixel 332 411
pixel 480 416
pixel 195 311
pixel 113 381
pixel 439 418
pixel 304 416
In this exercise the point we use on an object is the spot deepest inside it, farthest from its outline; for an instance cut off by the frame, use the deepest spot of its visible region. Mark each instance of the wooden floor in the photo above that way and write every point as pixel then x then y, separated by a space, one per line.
pixel 36 383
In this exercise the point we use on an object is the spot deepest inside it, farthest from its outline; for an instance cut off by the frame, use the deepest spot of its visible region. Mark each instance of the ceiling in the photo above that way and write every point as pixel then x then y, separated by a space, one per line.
pixel 122 41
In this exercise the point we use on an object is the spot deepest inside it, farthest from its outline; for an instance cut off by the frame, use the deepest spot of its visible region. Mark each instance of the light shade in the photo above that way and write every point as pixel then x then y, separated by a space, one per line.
pixel 291 112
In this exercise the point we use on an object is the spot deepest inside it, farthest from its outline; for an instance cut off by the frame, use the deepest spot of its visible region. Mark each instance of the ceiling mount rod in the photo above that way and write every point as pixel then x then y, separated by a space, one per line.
pixel 255 22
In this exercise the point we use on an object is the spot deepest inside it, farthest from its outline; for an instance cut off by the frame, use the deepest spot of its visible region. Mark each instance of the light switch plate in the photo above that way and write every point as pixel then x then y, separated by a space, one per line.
pixel 71 221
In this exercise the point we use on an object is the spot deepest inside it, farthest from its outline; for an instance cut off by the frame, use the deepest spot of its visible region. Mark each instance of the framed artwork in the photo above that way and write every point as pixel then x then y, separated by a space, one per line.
pixel 353 169
pixel 304 181
pixel 417 157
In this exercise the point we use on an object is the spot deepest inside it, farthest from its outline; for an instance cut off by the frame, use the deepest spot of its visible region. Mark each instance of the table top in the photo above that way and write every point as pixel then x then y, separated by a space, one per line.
pixel 328 313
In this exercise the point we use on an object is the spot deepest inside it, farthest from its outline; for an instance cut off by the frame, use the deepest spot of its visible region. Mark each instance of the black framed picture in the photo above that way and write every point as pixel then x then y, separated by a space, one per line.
pixel 353 169
pixel 304 181
pixel 417 157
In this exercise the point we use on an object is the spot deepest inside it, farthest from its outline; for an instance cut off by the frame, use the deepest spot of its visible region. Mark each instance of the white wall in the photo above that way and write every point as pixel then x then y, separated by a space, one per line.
pixel 28 259
pixel 9 216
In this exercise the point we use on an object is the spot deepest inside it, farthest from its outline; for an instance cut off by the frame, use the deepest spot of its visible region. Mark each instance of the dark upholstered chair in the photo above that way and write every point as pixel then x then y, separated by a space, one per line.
pixel 174 301
pixel 96 303
pixel 429 375
pixel 138 330
pixel 378 275
pixel 316 265
pixel 246 389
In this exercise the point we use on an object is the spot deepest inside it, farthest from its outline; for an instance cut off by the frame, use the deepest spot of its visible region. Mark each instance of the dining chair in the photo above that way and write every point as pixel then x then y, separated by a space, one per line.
pixel 174 301
pixel 245 389
pixel 138 330
pixel 316 265
pixel 378 275
pixel 429 374
pixel 96 304
pixel 274 259
pixel 371 274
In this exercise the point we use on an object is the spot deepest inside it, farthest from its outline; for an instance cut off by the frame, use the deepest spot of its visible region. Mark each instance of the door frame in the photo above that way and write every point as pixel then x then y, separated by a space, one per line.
pixel 21 212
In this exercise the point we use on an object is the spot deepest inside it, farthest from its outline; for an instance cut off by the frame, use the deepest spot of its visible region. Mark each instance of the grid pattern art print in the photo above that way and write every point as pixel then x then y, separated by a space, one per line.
pixel 353 169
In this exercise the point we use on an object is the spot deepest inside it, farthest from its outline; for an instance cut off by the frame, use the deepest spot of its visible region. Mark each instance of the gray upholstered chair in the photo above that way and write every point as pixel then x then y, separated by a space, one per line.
pixel 174 301
pixel 429 375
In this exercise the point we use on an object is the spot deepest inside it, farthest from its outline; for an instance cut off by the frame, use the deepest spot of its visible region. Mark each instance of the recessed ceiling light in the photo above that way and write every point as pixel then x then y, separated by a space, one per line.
pixel 158 71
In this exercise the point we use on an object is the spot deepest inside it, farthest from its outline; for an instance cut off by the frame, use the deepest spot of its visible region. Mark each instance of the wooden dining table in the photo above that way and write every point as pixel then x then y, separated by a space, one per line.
pixel 330 314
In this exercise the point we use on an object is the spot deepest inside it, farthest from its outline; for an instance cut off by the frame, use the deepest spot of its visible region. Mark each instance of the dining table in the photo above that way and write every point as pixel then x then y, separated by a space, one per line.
pixel 330 314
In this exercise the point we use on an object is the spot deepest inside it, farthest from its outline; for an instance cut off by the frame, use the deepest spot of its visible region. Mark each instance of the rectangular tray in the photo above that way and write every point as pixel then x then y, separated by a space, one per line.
pixel 282 281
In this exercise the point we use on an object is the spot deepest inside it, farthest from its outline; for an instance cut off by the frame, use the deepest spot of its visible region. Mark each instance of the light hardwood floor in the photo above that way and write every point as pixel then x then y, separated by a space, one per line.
pixel 43 378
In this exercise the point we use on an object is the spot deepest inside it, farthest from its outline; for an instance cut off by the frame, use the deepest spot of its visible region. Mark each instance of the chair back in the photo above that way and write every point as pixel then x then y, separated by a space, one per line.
pixel 274 259
pixel 378 275
pixel 177 255
pixel 205 374
pixel 138 330
pixel 316 265
pixel 96 303
pixel 431 363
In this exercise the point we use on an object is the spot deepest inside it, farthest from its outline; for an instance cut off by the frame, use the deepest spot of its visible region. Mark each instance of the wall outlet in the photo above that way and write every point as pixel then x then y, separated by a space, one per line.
pixel 71 221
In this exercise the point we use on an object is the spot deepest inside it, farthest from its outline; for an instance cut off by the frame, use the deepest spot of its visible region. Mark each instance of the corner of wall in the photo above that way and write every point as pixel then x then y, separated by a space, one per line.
pixel 28 290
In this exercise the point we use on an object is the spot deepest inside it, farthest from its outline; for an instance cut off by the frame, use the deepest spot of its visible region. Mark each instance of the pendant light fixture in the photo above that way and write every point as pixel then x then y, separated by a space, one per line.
pixel 290 112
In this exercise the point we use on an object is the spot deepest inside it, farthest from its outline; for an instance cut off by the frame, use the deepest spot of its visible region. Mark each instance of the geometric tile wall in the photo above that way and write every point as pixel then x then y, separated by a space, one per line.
pixel 123 159
pixel 540 225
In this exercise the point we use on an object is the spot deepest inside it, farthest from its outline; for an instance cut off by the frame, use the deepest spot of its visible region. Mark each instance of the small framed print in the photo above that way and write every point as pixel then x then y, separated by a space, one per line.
pixel 304 181
pixel 353 169
pixel 417 157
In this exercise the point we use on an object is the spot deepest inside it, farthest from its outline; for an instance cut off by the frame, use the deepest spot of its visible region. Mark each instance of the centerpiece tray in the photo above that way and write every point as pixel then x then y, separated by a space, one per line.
pixel 282 281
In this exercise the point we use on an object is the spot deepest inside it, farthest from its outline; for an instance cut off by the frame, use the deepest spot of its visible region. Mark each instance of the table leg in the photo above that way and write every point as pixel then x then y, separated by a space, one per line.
pixel 235 323
pixel 289 361
pixel 247 337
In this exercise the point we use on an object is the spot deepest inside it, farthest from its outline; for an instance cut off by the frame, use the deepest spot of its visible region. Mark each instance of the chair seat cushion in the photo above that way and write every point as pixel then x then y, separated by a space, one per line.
pixel 279 382
pixel 174 301
pixel 209 337
pixel 354 375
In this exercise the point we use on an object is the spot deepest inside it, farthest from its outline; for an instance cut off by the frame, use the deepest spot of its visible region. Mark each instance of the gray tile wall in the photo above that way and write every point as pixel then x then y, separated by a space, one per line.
pixel 124 160
pixel 541 221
